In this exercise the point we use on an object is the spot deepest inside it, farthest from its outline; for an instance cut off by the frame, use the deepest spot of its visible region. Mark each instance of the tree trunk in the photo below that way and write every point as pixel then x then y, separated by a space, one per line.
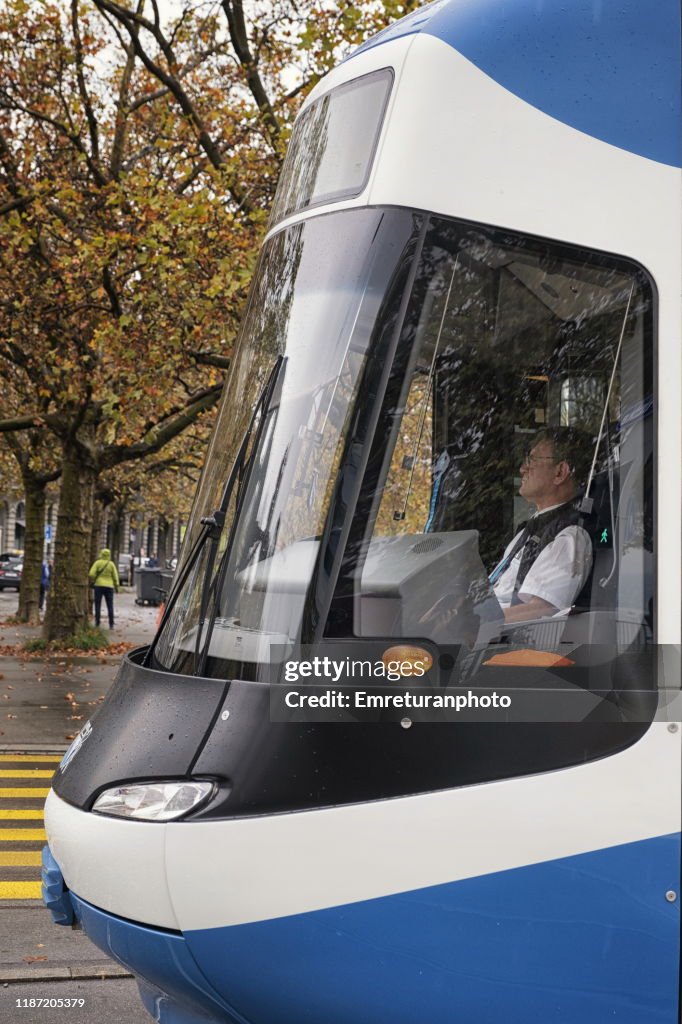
pixel 29 595
pixel 95 530
pixel 116 520
pixel 68 608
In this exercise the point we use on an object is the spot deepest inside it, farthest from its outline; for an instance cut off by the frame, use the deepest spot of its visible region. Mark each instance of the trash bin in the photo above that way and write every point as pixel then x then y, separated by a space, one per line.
pixel 148 582
pixel 166 583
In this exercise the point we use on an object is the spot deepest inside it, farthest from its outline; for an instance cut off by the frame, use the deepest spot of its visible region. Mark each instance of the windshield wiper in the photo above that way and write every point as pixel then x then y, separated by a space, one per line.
pixel 239 475
pixel 212 525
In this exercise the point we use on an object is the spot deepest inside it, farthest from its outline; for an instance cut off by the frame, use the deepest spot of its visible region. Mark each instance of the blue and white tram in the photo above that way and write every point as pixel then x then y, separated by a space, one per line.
pixel 476 236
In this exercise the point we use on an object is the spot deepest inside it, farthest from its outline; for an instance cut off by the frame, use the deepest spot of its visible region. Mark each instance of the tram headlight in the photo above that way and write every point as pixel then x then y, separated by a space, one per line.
pixel 153 801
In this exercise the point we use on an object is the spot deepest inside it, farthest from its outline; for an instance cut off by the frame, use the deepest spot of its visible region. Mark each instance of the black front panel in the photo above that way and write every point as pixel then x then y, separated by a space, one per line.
pixel 151 726
pixel 282 766
pixel 157 725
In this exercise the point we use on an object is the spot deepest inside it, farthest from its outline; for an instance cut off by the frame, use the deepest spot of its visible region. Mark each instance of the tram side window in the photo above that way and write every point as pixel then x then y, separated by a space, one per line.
pixel 513 349
pixel 333 144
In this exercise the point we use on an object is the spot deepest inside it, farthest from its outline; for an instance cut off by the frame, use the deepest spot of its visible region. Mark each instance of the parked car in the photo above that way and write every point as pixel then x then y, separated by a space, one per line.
pixel 10 573
pixel 123 566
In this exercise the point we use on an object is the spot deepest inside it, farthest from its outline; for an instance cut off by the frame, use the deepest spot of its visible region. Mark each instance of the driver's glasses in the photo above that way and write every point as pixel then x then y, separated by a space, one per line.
pixel 529 459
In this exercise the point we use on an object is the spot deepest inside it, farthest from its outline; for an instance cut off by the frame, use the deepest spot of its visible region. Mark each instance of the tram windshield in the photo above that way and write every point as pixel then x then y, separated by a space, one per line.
pixel 434 372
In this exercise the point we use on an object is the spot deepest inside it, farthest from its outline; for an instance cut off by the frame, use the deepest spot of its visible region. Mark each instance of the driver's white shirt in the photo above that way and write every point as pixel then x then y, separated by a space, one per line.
pixel 557 575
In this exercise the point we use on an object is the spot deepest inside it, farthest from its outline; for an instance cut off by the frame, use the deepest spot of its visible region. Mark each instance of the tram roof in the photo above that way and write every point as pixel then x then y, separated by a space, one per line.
pixel 610 68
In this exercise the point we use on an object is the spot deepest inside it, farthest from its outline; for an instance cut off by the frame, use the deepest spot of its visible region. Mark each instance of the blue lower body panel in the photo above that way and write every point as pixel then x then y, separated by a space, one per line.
pixel 172 987
pixel 590 938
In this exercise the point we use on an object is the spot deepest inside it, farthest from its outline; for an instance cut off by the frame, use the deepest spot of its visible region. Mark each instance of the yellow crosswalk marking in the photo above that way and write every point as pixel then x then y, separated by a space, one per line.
pixel 34 768
pixel 19 834
pixel 19 792
pixel 21 813
pixel 26 773
pixel 37 758
pixel 20 891
pixel 20 858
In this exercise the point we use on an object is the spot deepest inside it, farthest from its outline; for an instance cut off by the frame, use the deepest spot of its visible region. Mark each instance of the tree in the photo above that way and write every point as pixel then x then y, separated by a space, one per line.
pixel 37 467
pixel 138 160
pixel 108 272
pixel 160 487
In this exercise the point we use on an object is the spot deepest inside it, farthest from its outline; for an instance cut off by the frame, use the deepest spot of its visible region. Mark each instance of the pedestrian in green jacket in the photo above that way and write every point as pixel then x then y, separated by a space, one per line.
pixel 104 576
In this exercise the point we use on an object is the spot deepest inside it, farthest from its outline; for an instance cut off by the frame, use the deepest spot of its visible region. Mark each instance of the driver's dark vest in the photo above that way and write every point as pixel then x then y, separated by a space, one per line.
pixel 537 533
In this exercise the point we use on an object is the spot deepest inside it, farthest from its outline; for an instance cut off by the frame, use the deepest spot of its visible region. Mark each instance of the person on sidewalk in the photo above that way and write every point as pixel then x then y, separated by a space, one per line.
pixel 104 577
pixel 45 576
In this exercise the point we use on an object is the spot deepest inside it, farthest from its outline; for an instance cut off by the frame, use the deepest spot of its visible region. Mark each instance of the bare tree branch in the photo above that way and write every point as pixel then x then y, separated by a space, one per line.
pixel 132 22
pixel 82 87
pixel 192 396
pixel 30 422
pixel 170 79
pixel 10 103
pixel 122 111
pixel 161 435
pixel 211 359
pixel 190 66
pixel 10 164
pixel 20 203
pixel 307 84
pixel 234 13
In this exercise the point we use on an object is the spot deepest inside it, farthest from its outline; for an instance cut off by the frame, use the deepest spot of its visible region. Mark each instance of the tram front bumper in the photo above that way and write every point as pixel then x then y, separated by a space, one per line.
pixel 171 986
pixel 56 896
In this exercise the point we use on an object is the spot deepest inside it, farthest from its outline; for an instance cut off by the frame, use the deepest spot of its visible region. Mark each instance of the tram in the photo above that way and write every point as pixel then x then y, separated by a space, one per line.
pixel 476 237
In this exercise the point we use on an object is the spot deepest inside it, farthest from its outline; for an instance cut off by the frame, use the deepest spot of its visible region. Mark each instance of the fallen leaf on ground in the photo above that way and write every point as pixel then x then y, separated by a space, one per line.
pixel 33 959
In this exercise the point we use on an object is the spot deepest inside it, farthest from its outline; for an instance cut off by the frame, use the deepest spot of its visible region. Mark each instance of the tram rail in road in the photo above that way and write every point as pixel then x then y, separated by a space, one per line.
pixel 24 785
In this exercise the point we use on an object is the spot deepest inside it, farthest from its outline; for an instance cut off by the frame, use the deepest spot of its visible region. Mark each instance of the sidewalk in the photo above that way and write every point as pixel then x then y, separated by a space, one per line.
pixel 134 623
pixel 32 948
pixel 44 702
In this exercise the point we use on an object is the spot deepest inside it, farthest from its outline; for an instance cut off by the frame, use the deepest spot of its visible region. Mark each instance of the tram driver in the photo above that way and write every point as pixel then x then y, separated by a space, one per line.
pixel 546 565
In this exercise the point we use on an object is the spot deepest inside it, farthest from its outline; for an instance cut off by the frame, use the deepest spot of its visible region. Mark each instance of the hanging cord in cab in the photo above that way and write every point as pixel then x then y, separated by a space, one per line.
pixel 587 502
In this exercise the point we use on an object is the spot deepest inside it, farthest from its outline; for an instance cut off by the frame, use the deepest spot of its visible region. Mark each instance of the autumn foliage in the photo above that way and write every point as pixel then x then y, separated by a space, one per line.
pixel 138 158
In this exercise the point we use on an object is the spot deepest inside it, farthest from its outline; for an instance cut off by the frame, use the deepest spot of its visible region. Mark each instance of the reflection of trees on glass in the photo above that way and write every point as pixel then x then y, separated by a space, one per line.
pixel 316 299
pixel 405 500
pixel 333 144
pixel 261 340
pixel 321 446
pixel 510 336
pixel 306 152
